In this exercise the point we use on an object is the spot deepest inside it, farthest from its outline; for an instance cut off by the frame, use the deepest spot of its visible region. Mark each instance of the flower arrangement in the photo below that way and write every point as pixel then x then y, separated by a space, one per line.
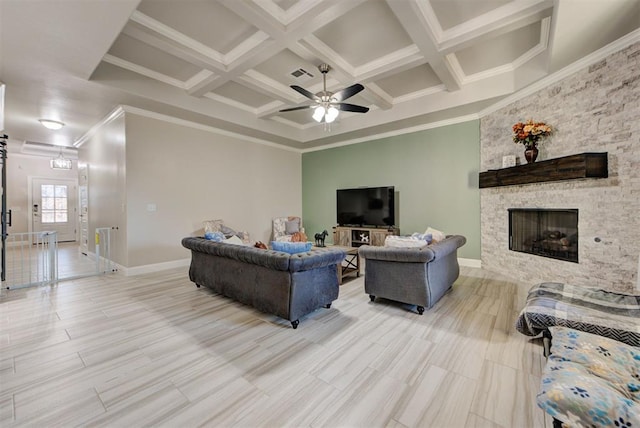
pixel 530 132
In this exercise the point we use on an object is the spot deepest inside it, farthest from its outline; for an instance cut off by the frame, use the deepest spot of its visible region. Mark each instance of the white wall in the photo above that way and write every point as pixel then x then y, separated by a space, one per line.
pixel 104 154
pixel 192 175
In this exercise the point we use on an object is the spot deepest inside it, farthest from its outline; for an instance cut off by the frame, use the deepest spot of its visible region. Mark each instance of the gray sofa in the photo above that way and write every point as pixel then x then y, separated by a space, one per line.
pixel 287 285
pixel 417 276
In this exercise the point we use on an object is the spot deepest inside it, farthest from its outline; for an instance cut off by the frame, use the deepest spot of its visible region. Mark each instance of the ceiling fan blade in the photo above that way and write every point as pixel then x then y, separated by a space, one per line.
pixel 351 107
pixel 306 93
pixel 295 108
pixel 347 92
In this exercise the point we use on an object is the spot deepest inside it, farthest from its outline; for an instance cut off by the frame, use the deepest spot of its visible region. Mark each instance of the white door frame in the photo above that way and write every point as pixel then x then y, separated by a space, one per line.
pixel 30 179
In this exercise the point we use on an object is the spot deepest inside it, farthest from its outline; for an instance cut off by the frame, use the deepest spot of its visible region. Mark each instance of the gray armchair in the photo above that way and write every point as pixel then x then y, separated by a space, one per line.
pixel 417 276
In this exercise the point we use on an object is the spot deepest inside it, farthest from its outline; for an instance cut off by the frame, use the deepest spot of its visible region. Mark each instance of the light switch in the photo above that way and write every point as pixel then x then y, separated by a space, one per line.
pixel 151 207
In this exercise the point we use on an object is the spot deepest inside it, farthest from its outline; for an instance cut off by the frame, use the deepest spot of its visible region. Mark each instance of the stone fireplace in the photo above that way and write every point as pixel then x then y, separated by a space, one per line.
pixel 549 233
pixel 593 110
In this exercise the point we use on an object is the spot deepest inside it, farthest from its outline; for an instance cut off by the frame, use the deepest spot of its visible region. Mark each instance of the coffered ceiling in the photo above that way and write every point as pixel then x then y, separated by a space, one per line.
pixel 229 64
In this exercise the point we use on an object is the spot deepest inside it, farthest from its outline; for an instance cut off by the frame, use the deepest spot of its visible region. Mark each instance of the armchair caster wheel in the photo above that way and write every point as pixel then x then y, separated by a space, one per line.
pixel 372 297
pixel 328 305
pixel 420 310
pixel 295 323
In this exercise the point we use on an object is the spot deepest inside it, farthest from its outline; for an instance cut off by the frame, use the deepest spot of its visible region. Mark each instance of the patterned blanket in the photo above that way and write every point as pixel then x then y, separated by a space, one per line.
pixel 591 381
pixel 593 310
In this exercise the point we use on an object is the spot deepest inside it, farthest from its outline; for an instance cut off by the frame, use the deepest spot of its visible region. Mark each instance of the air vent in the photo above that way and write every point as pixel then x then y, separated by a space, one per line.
pixel 301 75
pixel 44 149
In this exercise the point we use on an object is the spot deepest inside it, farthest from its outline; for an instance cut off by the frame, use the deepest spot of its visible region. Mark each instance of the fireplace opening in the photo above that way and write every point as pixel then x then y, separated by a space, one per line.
pixel 549 233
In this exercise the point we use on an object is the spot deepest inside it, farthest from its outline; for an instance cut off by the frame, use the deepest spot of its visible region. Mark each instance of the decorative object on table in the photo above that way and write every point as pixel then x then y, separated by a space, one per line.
pixel 320 238
pixel 508 161
pixel 529 134
pixel 364 237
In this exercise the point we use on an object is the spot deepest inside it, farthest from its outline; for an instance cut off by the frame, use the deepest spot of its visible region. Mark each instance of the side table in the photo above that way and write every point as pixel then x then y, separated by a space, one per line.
pixel 350 264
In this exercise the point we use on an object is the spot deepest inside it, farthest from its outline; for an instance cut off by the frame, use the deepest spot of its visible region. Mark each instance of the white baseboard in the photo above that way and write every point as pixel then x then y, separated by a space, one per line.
pixel 139 270
pixel 474 263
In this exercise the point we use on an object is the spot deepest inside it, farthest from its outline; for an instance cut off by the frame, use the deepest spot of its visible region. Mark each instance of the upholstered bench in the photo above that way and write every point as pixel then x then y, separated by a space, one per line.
pixel 591 381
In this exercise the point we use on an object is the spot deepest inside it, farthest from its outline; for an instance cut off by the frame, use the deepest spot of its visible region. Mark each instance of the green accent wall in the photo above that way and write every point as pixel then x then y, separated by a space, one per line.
pixel 435 174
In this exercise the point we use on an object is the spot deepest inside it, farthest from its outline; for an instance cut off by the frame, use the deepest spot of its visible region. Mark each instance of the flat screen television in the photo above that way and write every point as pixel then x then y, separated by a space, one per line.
pixel 366 206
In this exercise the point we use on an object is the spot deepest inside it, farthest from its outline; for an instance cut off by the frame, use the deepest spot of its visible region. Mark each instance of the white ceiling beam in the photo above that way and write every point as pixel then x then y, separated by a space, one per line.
pixel 298 37
pixel 505 19
pixel 265 85
pixel 343 71
pixel 144 71
pixel 393 63
pixel 424 35
pixel 250 52
pixel 175 40
pixel 239 66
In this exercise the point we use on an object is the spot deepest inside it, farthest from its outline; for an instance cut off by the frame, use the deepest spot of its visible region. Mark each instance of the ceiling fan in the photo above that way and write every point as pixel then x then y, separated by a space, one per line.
pixel 327 104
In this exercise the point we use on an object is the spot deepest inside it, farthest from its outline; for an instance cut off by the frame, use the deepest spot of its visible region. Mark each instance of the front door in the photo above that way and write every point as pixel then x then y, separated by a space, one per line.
pixel 54 207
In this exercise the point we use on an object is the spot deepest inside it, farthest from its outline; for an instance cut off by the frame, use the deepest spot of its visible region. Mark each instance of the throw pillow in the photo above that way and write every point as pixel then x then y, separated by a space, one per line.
pixel 291 227
pixel 261 245
pixel 214 236
pixel 291 247
pixel 436 235
pixel 423 236
pixel 404 242
pixel 227 231
pixel 234 240
pixel 213 225
pixel 299 237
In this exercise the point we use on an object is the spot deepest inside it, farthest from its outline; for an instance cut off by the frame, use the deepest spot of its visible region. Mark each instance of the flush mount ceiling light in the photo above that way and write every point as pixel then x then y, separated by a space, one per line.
pixel 51 124
pixel 60 162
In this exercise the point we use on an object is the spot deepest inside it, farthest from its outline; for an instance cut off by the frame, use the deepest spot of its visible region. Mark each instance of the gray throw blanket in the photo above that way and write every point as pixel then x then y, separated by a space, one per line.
pixel 593 310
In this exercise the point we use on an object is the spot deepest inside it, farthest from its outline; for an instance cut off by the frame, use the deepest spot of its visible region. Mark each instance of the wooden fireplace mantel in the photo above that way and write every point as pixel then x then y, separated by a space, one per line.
pixel 584 165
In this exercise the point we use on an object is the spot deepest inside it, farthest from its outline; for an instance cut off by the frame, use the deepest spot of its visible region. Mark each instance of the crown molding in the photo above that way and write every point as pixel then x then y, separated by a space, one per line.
pixel 116 113
pixel 439 124
pixel 202 127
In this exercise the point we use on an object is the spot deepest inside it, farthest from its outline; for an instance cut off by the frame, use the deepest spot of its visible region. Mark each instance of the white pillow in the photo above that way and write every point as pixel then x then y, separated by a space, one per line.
pixel 435 234
pixel 233 240
pixel 404 242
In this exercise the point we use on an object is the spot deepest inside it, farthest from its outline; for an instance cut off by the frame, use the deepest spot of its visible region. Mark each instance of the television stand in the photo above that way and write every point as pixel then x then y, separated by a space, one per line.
pixel 353 236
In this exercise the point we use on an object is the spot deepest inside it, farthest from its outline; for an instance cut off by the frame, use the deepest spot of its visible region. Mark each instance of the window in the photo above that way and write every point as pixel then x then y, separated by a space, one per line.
pixel 54 203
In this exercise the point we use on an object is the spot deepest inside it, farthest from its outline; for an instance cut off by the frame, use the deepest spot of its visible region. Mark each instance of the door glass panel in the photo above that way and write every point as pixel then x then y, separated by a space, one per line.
pixel 47 190
pixel 48 203
pixel 54 203
pixel 61 204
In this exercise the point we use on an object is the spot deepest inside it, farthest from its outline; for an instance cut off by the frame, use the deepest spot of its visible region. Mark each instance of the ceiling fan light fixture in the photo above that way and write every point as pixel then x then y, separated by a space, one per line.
pixel 318 114
pixel 51 124
pixel 332 114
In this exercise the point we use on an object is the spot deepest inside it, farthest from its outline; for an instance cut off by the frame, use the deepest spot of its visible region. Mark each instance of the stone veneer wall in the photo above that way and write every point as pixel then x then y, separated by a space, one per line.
pixel 594 110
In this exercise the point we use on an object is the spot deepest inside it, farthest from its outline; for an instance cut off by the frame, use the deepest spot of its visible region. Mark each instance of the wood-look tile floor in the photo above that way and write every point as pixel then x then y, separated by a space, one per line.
pixel 154 350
